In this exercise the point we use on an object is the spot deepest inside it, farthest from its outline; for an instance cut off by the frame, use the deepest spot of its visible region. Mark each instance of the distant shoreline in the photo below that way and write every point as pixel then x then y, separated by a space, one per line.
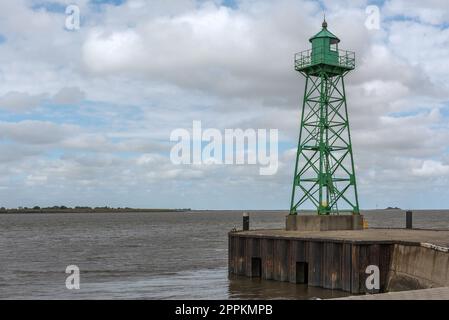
pixel 56 210
pixel 85 210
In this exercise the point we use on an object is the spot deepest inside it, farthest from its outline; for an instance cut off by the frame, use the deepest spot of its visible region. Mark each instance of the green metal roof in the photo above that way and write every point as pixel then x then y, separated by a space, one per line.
pixel 324 33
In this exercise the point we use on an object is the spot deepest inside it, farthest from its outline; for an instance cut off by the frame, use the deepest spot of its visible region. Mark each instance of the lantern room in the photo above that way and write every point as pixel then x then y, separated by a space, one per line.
pixel 324 46
pixel 325 55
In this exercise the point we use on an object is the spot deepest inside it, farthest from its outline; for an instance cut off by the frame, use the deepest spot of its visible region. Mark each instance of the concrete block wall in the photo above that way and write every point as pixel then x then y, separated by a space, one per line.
pixel 418 267
pixel 323 223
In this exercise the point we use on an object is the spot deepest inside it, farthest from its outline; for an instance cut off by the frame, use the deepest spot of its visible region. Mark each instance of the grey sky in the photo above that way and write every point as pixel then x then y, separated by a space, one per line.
pixel 86 116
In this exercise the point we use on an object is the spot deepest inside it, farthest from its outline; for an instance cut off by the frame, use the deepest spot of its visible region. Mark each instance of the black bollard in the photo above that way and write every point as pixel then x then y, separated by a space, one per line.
pixel 409 220
pixel 245 221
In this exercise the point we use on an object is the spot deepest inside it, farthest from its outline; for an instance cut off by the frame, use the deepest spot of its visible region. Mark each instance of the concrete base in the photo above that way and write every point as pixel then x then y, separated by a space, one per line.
pixel 338 260
pixel 323 223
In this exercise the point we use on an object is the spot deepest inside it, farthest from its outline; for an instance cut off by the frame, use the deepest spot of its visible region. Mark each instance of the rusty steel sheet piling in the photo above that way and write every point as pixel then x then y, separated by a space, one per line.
pixel 333 260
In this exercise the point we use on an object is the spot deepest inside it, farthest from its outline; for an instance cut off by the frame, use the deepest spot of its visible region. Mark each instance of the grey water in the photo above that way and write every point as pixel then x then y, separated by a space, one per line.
pixel 154 255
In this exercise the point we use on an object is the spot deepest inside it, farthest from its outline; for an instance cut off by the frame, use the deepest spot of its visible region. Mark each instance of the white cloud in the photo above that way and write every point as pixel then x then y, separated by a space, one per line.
pixel 35 132
pixel 20 101
pixel 431 168
pixel 431 11
pixel 213 49
pixel 68 96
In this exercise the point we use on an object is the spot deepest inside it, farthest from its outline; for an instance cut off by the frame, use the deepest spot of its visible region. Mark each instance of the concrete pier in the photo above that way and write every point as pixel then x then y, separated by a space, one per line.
pixel 323 223
pixel 407 259
pixel 424 294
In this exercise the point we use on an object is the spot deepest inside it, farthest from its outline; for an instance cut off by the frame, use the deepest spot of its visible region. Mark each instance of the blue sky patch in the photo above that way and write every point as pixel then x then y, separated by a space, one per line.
pixel 112 2
pixel 49 6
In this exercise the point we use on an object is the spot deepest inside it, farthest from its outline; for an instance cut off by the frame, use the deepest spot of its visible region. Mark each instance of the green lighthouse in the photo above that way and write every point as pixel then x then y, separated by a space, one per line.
pixel 325 44
pixel 324 176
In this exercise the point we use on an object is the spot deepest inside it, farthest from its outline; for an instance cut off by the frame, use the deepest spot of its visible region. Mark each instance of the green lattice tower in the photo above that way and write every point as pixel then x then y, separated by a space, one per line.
pixel 324 172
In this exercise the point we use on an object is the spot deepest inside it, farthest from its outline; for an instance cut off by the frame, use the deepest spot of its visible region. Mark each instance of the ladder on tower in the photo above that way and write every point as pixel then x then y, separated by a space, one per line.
pixel 331 189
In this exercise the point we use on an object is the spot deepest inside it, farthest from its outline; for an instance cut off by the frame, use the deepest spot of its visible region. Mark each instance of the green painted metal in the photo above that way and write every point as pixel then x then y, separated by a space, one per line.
pixel 324 171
